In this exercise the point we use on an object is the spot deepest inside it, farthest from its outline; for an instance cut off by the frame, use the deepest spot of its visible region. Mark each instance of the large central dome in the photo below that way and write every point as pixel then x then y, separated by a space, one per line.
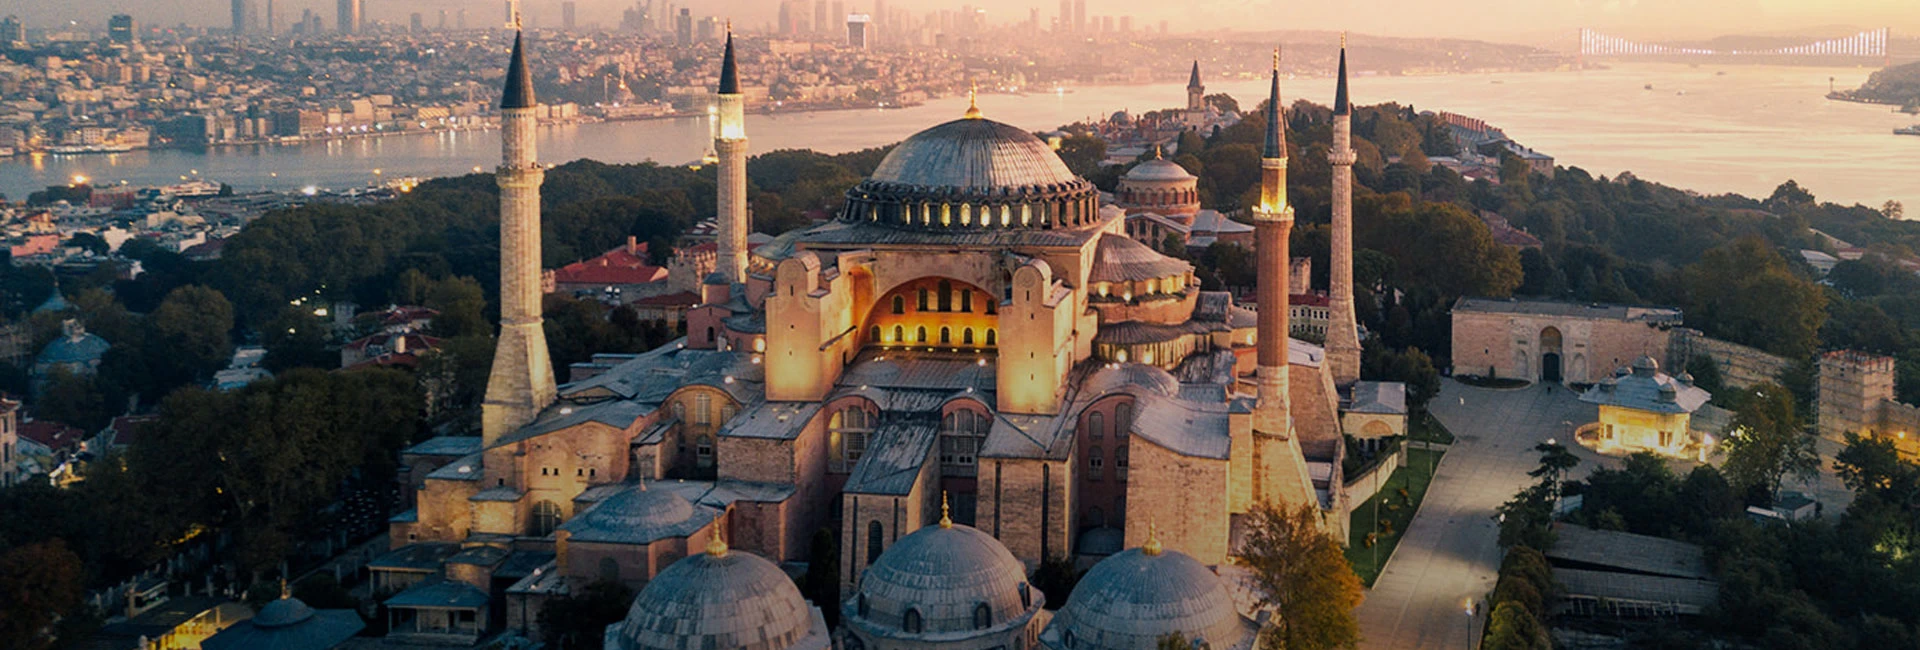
pixel 973 174
pixel 975 154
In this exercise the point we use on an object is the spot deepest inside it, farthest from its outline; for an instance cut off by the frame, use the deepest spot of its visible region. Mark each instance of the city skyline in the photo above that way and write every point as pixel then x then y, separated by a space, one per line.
pixel 1506 20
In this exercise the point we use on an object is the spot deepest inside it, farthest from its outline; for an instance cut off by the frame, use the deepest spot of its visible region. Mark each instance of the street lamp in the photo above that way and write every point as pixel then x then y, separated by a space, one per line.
pixel 1469 607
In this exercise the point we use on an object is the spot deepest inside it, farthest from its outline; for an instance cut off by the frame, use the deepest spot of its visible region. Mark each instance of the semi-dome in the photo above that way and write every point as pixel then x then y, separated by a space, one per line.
pixel 973 173
pixel 720 600
pixel 282 612
pixel 288 624
pixel 1133 598
pixel 943 580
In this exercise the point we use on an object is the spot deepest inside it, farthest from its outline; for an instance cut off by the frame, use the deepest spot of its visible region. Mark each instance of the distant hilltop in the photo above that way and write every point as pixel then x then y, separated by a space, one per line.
pixel 1899 85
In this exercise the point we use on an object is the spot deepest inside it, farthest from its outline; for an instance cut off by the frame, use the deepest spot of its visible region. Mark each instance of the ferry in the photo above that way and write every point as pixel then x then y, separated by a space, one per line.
pixel 77 149
pixel 1911 130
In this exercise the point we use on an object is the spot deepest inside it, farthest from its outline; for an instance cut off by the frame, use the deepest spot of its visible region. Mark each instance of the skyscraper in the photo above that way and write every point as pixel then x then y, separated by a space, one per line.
pixel 1079 16
pixel 521 382
pixel 683 27
pixel 1064 24
pixel 347 20
pixel 730 144
pixel 417 23
pixel 121 28
pixel 268 26
pixel 243 16
pixel 820 21
pixel 566 15
pixel 12 32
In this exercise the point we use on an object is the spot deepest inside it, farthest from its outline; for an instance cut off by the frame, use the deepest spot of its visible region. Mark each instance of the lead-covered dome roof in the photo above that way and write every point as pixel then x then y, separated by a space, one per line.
pixel 719 601
pixel 1133 598
pixel 1159 170
pixel 946 576
pixel 974 154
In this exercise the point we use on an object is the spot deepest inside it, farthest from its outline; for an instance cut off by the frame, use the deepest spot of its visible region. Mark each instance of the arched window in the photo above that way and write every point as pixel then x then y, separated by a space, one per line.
pixel 1097 425
pixel 982 616
pixel 1026 596
pixel 873 334
pixel 860 607
pixel 946 335
pixel 1122 420
pixel 703 451
pixel 546 517
pixel 609 570
pixel 899 304
pixel 702 408
pixel 876 541
pixel 920 334
pixel 1096 463
pixel 680 410
pixel 966 336
pixel 911 622
pixel 899 334
pixel 990 336
pixel 1120 463
pixel 922 303
pixel 966 300
pixel 709 335
pixel 946 296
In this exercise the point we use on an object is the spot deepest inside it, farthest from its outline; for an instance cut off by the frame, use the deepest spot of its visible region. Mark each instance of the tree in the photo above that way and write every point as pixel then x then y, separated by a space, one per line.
pixel 39 584
pixel 1527 518
pixel 1744 292
pixel 1305 578
pixel 1765 443
pixel 1706 374
pixel 462 305
pixel 1555 462
pixel 190 330
pixel 579 621
pixel 1512 627
pixel 71 398
pixel 1893 210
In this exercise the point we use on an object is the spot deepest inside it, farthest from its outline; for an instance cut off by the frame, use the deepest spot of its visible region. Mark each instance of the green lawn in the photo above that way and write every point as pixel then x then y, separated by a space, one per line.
pixel 1395 510
pixel 1424 427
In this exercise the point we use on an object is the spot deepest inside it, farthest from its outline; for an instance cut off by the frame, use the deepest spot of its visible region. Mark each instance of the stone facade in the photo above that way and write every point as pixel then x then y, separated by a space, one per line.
pixel 1740 366
pixel 1538 340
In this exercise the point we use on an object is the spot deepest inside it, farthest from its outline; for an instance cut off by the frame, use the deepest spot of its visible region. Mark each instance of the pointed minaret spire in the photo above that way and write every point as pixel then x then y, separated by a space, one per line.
pixel 1340 106
pixel 1343 330
pixel 1193 80
pixel 1196 98
pixel 519 91
pixel 730 148
pixel 729 77
pixel 1276 136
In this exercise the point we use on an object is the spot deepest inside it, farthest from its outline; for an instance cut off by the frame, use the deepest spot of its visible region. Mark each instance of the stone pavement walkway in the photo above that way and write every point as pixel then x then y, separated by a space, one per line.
pixel 1450 553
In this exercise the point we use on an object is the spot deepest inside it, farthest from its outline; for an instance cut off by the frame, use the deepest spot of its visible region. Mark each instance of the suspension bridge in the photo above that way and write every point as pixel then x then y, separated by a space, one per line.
pixel 1870 43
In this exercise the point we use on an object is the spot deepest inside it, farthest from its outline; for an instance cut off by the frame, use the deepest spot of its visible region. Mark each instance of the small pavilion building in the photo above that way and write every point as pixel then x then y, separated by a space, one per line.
pixel 1643 409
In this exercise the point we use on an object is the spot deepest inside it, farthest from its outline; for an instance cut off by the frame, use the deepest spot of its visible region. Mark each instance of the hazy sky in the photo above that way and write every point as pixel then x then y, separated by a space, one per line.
pixel 1496 20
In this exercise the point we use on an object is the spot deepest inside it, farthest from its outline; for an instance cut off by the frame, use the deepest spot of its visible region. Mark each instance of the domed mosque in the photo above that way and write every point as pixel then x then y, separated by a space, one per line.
pixel 720 600
pixel 948 586
pixel 1133 599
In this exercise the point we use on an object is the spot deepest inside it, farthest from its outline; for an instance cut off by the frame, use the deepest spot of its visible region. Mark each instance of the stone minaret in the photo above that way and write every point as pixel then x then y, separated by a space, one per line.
pixel 730 144
pixel 522 379
pixel 1280 474
pixel 1343 335
pixel 1196 93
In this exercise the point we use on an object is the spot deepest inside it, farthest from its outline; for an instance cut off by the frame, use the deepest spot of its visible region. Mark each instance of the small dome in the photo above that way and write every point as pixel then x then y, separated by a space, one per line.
pixel 944 576
pixel 1132 599
pixel 282 612
pixel 638 515
pixel 1121 118
pixel 725 601
pixel 977 154
pixel 1645 366
pixel 1160 170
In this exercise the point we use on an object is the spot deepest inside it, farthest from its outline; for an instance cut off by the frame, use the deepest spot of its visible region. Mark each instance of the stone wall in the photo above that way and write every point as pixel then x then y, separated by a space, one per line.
pixel 1368 482
pixel 1512 345
pixel 1740 366
pixel 1183 496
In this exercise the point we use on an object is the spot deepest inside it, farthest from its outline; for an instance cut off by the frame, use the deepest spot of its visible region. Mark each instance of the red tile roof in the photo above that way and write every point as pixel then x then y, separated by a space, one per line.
pixel 681 299
pixel 53 435
pixel 624 265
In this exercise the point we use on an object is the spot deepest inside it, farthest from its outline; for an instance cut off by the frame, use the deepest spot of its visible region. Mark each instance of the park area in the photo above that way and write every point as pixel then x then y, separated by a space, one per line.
pixel 1379 522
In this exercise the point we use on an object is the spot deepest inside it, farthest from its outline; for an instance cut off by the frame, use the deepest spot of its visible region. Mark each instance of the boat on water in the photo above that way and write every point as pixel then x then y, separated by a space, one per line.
pixel 79 149
pixel 1911 130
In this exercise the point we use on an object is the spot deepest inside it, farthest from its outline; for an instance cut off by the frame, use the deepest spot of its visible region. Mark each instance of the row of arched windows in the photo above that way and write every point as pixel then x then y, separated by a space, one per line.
pixel 942 299
pixel 989 337
pixel 911 621
pixel 1138 196
pixel 1044 214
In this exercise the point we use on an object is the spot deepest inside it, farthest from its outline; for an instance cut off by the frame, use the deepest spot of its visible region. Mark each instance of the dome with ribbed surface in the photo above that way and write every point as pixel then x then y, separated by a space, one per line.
pixel 726 601
pixel 1133 598
pixel 955 581
pixel 282 612
pixel 1158 169
pixel 977 154
pixel 638 515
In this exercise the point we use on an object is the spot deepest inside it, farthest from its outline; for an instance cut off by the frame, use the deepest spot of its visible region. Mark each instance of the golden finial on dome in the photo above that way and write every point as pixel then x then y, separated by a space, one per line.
pixel 946 518
pixel 1276 58
pixel 730 28
pixel 1152 547
pixel 717 544
pixel 1156 151
pixel 285 592
pixel 973 102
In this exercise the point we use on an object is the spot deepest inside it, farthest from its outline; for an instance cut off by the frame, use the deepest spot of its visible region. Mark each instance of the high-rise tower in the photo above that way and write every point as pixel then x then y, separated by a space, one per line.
pixel 1280 474
pixel 522 379
pixel 349 13
pixel 1343 334
pixel 730 143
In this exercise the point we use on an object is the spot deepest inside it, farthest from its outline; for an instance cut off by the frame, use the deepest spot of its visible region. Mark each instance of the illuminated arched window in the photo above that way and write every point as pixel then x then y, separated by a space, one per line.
pixel 990 336
pixel 966 336
pixel 966 300
pixel 946 335
pixel 873 334
pixel 946 296
pixel 922 303
pixel 546 517
pixel 920 334
pixel 899 304
pixel 899 334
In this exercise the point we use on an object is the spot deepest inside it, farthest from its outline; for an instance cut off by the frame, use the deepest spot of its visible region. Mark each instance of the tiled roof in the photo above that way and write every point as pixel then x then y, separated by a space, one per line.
pixel 621 265
pixel 895 454
pixel 1121 259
